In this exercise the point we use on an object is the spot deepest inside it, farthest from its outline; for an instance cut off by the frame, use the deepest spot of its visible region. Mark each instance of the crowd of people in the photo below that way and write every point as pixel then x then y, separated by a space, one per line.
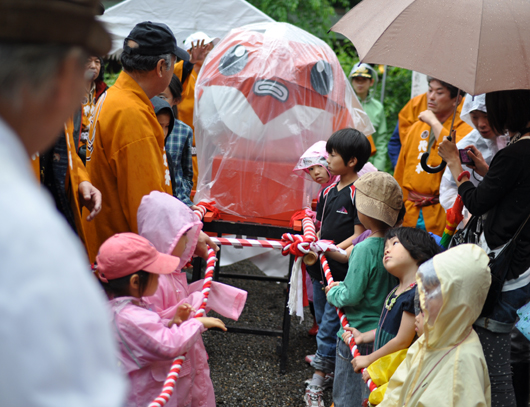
pixel 116 167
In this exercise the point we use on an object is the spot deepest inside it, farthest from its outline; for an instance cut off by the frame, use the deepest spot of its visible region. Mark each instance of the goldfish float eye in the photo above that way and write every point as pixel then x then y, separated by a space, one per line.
pixel 234 60
pixel 322 77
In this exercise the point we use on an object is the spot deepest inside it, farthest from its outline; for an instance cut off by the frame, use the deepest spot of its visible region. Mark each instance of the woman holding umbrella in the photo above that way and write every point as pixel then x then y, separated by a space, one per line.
pixel 501 199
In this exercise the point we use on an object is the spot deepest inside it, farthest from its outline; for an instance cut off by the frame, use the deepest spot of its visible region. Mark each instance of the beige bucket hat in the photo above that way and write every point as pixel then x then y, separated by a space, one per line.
pixel 379 196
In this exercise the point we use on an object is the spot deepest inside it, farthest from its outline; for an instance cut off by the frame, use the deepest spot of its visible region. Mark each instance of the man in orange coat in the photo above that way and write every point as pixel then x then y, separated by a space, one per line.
pixel 421 189
pixel 126 157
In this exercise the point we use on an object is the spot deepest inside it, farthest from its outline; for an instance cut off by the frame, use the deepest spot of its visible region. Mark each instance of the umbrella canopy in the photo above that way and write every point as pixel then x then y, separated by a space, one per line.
pixel 478 46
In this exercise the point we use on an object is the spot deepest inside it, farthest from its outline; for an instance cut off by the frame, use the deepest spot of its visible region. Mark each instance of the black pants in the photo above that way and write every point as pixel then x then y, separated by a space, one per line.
pixel 496 348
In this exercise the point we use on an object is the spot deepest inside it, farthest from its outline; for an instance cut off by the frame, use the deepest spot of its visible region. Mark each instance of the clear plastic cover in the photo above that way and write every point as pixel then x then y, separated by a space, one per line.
pixel 266 93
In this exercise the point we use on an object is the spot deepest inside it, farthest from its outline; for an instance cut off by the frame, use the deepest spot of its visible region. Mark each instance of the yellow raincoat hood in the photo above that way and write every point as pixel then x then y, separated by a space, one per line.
pixel 446 366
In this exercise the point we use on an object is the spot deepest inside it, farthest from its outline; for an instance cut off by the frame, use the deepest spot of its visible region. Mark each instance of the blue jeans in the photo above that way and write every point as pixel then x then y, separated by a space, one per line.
pixel 349 389
pixel 328 326
pixel 510 301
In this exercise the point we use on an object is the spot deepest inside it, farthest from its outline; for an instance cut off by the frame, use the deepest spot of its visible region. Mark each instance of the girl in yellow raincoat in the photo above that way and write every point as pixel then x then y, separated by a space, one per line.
pixel 446 366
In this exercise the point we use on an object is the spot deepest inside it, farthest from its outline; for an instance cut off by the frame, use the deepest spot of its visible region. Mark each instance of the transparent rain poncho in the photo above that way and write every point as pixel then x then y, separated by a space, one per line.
pixel 265 94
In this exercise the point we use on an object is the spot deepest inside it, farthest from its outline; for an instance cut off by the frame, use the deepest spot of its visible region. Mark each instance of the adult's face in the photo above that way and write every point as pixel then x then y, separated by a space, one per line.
pixel 93 68
pixel 164 75
pixel 50 110
pixel 481 123
pixel 439 99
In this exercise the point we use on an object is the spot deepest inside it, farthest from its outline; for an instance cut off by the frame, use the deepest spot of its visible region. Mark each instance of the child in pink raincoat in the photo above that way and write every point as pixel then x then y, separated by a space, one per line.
pixel 128 267
pixel 174 229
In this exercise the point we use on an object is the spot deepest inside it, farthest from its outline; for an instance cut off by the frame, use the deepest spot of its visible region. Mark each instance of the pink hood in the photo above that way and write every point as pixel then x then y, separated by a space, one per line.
pixel 163 220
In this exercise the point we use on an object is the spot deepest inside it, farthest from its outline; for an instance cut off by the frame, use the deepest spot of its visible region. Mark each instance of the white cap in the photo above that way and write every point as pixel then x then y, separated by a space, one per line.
pixel 198 37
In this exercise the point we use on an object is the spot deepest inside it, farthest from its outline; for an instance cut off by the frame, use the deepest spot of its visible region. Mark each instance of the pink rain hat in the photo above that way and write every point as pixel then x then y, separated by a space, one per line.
pixel 314 155
pixel 127 253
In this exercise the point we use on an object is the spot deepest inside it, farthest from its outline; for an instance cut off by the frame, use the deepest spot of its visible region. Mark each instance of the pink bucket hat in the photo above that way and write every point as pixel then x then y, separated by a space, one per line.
pixel 127 253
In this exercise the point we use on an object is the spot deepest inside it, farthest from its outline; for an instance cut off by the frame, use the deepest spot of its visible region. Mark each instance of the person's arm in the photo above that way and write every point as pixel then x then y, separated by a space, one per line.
pixel 428 117
pixel 149 333
pixel 394 146
pixel 500 178
pixel 90 198
pixel 402 340
pixel 359 229
pixel 341 258
pixel 448 190
pixel 350 292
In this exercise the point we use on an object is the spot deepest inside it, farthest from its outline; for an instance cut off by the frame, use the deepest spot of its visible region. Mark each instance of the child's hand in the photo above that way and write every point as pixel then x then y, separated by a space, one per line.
pixel 204 241
pixel 330 286
pixel 366 375
pixel 360 362
pixel 209 322
pixel 346 335
pixel 182 314
pixel 357 335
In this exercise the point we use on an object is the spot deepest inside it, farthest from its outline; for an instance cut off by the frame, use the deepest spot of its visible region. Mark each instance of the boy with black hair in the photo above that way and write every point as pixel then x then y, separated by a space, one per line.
pixel 349 150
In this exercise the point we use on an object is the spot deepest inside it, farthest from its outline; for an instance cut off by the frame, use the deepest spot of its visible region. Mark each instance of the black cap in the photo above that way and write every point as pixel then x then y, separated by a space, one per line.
pixel 153 39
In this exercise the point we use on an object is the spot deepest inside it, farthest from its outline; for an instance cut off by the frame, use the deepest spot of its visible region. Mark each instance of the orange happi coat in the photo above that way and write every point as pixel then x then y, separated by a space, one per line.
pixel 126 159
pixel 185 109
pixel 412 177
pixel 75 174
pixel 409 115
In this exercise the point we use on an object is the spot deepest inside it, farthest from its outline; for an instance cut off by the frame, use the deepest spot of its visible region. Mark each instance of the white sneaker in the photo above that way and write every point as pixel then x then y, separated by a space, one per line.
pixel 313 396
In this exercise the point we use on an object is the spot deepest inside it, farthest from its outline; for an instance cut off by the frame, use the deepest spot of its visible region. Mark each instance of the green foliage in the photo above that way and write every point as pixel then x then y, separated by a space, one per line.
pixel 397 93
pixel 110 77
pixel 314 16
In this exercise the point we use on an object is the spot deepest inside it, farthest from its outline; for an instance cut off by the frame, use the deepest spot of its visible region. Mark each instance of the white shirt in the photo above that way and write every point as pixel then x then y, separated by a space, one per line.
pixel 56 347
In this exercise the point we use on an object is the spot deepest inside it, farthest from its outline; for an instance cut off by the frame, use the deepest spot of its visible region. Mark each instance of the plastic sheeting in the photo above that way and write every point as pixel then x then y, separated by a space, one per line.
pixel 265 94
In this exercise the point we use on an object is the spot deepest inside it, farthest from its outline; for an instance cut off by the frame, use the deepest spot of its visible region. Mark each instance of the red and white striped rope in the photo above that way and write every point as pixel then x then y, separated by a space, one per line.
pixel 309 229
pixel 169 385
pixel 269 244
pixel 344 320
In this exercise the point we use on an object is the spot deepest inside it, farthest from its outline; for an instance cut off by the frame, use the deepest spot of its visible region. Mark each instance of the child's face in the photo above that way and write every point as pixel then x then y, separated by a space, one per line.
pixel 433 301
pixel 336 164
pixel 397 259
pixel 418 323
pixel 164 119
pixel 152 285
pixel 181 246
pixel 361 85
pixel 319 174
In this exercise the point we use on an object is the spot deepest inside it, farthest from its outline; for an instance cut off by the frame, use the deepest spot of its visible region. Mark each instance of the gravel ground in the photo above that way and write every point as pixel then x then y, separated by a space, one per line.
pixel 245 369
